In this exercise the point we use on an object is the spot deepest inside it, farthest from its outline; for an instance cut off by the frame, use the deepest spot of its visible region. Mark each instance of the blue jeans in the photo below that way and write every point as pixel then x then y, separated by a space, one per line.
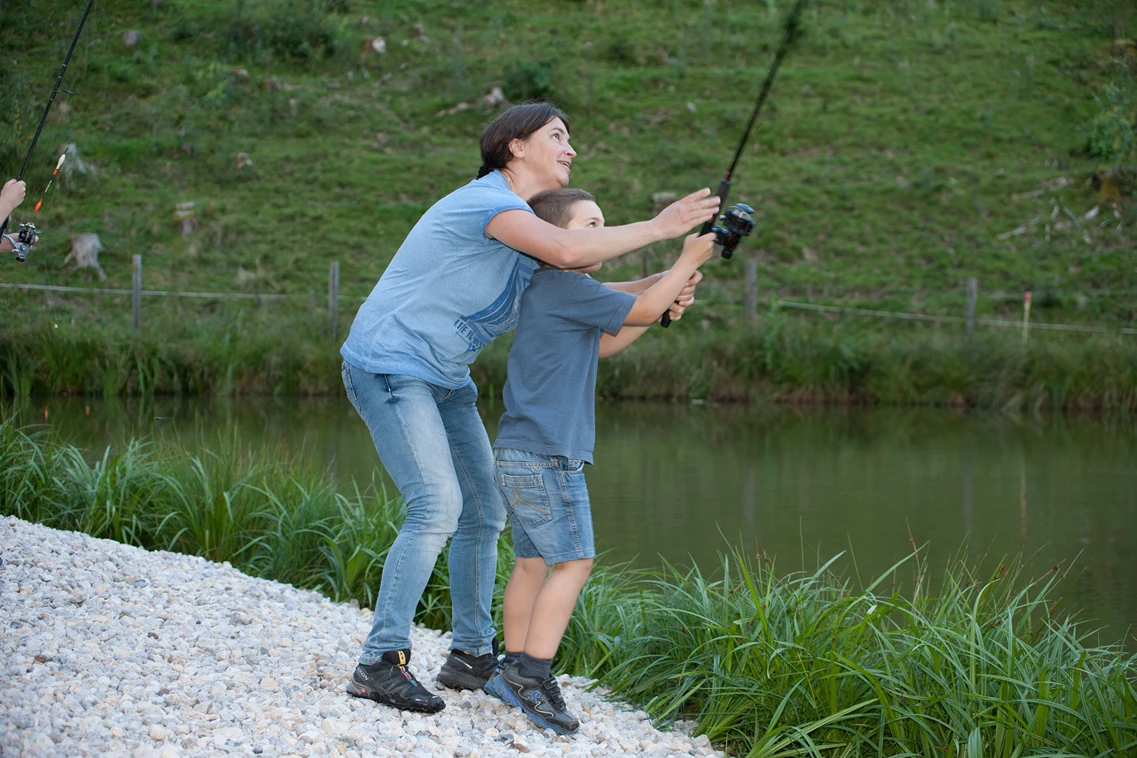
pixel 435 448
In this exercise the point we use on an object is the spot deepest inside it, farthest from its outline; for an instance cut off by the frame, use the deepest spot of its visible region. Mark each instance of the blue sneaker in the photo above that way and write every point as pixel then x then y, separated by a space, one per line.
pixel 541 700
pixel 497 688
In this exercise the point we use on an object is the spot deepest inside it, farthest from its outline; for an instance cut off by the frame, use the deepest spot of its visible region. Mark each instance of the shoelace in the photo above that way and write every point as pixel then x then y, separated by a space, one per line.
pixel 550 688
pixel 406 672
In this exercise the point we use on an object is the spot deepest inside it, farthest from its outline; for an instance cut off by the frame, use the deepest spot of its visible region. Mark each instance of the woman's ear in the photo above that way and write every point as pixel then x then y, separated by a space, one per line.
pixel 517 147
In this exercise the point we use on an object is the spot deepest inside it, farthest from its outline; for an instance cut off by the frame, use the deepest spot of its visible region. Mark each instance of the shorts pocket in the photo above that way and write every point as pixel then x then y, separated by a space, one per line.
pixel 526 498
pixel 574 487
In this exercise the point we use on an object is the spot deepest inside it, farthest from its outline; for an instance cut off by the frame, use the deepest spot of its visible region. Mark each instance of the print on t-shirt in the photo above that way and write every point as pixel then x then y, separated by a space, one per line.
pixel 499 317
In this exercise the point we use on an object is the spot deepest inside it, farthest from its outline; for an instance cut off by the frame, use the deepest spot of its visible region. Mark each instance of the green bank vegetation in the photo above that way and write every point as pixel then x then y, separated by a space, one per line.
pixel 781 359
pixel 908 146
pixel 766 664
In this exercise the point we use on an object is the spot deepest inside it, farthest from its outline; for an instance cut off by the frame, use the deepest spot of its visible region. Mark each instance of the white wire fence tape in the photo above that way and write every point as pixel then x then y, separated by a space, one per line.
pixel 160 293
pixel 954 319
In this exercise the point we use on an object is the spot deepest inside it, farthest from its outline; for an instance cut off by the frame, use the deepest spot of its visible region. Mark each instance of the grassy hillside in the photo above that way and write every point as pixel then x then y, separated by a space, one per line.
pixel 908 145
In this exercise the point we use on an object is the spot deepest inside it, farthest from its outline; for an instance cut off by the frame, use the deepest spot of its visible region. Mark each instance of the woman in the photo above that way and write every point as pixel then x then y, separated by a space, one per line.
pixel 452 287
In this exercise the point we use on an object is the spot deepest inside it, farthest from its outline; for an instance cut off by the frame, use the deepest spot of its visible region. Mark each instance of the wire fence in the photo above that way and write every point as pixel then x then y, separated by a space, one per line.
pixel 729 294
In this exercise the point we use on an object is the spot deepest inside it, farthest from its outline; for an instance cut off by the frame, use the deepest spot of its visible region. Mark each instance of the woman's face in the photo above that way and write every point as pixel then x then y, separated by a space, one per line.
pixel 547 153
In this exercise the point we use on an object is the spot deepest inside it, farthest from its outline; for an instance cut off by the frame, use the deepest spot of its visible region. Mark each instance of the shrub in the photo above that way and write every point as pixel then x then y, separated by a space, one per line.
pixel 530 82
pixel 1113 132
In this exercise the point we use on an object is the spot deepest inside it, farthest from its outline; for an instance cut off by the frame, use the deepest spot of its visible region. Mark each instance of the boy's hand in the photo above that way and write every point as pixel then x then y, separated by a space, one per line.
pixel 697 250
pixel 686 297
pixel 677 219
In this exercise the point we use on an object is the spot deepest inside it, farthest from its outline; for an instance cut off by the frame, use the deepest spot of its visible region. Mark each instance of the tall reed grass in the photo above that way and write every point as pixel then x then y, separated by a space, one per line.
pixel 766 664
pixel 805 664
pixel 780 359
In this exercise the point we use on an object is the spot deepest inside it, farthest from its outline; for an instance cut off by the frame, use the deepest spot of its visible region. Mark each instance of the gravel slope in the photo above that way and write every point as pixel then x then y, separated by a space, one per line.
pixel 111 650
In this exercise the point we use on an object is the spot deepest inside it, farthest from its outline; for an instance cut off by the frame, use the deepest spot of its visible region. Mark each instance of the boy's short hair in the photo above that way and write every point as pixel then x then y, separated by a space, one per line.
pixel 553 205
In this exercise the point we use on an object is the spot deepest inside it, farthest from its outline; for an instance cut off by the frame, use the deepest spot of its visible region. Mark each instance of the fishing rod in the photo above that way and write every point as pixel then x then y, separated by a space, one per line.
pixel 28 232
pixel 738 219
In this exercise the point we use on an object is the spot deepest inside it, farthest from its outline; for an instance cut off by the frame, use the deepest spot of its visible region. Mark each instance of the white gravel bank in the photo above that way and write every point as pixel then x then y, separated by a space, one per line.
pixel 106 649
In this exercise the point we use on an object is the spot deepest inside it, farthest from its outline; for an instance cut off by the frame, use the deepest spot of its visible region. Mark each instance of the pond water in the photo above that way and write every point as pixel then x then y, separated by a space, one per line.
pixel 686 482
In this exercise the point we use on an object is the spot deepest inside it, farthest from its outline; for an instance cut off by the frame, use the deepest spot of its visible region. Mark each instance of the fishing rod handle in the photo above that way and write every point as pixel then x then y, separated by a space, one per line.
pixel 722 192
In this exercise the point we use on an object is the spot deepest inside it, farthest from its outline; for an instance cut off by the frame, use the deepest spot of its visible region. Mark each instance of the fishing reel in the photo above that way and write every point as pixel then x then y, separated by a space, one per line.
pixel 738 223
pixel 25 238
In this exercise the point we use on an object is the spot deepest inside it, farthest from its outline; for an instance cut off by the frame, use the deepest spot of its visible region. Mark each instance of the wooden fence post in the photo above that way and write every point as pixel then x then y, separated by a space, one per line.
pixel 1026 315
pixel 751 269
pixel 136 292
pixel 333 298
pixel 972 296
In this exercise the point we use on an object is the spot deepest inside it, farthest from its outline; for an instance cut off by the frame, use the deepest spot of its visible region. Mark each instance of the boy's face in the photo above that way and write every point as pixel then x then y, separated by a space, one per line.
pixel 585 214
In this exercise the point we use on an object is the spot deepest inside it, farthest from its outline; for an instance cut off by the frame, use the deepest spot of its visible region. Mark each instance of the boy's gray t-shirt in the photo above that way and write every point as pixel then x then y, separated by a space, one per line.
pixel 447 293
pixel 550 391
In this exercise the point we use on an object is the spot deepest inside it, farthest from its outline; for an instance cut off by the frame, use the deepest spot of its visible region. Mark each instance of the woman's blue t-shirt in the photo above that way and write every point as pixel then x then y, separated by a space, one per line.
pixel 448 292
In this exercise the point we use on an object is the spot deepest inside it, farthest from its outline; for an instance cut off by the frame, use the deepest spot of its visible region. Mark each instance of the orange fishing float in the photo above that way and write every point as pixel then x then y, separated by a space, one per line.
pixel 49 181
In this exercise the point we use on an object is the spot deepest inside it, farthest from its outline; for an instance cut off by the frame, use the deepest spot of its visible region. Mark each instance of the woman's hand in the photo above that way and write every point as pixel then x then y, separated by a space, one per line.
pixel 678 218
pixel 686 297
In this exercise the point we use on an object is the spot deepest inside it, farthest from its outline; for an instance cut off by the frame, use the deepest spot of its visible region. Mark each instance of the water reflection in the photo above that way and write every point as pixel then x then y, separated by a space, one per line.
pixel 682 481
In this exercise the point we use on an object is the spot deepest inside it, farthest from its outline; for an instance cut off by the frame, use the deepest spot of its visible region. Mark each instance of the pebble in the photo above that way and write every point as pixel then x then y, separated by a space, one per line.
pixel 112 650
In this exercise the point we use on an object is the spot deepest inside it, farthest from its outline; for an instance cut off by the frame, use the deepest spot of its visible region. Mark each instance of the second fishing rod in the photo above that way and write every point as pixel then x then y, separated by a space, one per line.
pixel 27 233
pixel 738 220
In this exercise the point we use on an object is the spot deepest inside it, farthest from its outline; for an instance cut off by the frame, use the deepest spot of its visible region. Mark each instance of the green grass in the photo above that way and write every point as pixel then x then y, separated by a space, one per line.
pixel 766 664
pixel 903 141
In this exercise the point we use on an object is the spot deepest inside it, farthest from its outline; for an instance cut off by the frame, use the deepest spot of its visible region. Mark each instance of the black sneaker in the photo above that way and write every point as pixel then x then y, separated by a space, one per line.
pixel 390 682
pixel 463 671
pixel 541 700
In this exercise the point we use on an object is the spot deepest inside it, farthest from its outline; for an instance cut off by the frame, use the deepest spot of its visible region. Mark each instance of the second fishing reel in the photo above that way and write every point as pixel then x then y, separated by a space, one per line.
pixel 25 237
pixel 738 222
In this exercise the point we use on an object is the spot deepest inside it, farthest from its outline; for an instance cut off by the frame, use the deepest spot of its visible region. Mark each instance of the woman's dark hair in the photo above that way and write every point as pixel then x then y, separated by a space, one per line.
pixel 553 205
pixel 517 122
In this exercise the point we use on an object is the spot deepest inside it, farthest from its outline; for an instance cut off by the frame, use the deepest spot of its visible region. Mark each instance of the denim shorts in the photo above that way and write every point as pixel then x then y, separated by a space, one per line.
pixel 548 505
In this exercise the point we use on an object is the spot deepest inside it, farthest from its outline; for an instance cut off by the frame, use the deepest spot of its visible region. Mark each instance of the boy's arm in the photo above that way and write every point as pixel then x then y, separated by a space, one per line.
pixel 637 286
pixel 696 252
pixel 658 298
pixel 610 344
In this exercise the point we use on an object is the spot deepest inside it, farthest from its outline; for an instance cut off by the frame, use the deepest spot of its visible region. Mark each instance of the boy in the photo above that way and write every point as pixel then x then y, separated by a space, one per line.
pixel 568 322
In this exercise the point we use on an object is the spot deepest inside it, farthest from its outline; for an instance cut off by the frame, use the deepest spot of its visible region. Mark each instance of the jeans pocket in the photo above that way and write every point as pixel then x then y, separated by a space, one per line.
pixel 349 387
pixel 526 498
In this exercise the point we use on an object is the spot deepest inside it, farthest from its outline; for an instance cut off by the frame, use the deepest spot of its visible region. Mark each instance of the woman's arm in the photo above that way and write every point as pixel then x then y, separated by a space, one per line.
pixel 573 248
